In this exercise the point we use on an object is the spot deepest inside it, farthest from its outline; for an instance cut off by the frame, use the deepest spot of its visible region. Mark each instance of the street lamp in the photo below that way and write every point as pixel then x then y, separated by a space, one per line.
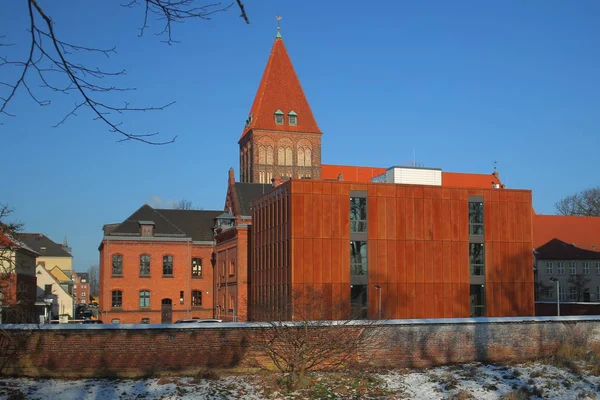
pixel 557 295
pixel 379 302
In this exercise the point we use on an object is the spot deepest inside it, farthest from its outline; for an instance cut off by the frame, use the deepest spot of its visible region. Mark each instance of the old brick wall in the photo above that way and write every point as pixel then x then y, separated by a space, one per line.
pixel 136 350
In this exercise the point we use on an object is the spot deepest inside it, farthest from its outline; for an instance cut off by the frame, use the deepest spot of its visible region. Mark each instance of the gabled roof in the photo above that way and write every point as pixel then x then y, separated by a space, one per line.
pixel 558 250
pixel 248 192
pixel 196 224
pixel 583 232
pixel 42 245
pixel 280 89
pixel 59 274
pixel 10 241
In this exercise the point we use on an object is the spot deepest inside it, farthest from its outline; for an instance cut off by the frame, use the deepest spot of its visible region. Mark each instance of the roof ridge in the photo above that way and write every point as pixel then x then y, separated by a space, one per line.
pixel 172 224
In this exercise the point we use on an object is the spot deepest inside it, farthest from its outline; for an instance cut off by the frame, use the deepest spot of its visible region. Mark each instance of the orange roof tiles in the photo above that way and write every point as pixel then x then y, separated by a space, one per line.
pixel 584 232
pixel 456 179
pixel 280 89
pixel 351 173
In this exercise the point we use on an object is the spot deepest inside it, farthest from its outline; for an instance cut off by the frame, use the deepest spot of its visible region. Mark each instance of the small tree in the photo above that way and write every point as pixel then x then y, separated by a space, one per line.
pixel 579 282
pixel 584 204
pixel 312 341
pixel 93 279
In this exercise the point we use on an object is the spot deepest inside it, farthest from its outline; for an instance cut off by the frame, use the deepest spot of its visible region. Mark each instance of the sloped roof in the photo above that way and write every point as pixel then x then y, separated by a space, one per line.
pixel 459 179
pixel 558 250
pixel 196 224
pixel 248 192
pixel 59 274
pixel 280 89
pixel 42 245
pixel 584 232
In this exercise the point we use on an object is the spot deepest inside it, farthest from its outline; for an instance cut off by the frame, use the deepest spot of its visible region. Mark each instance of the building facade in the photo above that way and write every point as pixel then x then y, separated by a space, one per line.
pixel 81 288
pixel 51 254
pixel 53 298
pixel 155 267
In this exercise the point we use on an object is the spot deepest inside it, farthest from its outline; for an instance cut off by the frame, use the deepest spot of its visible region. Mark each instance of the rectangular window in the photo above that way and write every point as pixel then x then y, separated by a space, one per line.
pixel 598 268
pixel 117 265
pixel 293 119
pixel 82 301
pixel 196 298
pixel 196 268
pixel 475 218
pixel 82 294
pixel 181 297
pixel 144 265
pixel 477 259
pixel 231 303
pixel 572 268
pixel 572 293
pixel 358 301
pixel 231 268
pixel 47 290
pixel 279 119
pixel 586 295
pixel 477 301
pixel 168 265
pixel 586 268
pixel 144 299
pixel 561 293
pixel 358 258
pixel 117 299
pixel 75 287
pixel 358 214
pixel 549 268
pixel 598 293
pixel 550 293
pixel 561 268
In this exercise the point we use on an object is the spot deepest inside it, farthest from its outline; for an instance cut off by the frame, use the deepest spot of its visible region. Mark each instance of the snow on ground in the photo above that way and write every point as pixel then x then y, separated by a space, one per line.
pixel 463 381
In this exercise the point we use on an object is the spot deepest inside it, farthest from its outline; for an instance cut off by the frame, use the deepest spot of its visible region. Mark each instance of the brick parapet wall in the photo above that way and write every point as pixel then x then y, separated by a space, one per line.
pixel 141 350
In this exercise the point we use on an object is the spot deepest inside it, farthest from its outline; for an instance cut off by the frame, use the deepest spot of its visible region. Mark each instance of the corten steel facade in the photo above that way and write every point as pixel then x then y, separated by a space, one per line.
pixel 419 249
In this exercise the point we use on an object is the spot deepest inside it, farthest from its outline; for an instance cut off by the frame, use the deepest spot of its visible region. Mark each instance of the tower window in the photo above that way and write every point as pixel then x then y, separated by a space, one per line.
pixel 293 118
pixel 279 117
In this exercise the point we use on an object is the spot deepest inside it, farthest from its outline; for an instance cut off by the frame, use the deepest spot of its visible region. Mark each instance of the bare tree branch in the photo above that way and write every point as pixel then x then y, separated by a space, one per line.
pixel 584 204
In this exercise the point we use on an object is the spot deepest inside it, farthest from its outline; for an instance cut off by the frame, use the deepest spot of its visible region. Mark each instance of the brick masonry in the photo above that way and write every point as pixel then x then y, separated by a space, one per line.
pixel 120 350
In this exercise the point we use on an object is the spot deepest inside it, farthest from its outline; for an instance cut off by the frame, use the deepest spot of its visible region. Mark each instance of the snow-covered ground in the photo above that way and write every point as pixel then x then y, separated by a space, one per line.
pixel 477 381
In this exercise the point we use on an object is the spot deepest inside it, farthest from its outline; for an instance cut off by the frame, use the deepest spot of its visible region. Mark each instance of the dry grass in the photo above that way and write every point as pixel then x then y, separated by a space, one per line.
pixel 462 395
pixel 578 357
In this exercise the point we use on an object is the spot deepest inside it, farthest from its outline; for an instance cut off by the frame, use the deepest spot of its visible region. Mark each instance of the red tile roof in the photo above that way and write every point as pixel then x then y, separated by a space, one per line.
pixel 280 89
pixel 584 232
pixel 351 173
pixel 449 179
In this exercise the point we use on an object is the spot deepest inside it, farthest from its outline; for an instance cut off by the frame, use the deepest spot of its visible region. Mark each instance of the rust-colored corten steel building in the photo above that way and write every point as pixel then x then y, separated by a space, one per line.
pixel 428 251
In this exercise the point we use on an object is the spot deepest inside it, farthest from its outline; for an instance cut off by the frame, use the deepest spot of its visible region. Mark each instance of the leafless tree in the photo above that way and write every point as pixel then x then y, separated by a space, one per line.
pixel 52 65
pixel 299 335
pixel 579 282
pixel 183 205
pixel 93 280
pixel 585 203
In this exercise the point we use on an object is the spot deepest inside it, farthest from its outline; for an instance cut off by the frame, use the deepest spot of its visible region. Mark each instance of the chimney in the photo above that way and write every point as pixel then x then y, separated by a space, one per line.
pixel 231 176
pixel 276 181
pixel 495 173
pixel 340 177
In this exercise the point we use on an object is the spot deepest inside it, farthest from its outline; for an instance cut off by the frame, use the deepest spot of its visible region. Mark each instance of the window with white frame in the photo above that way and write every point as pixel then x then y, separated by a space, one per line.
pixel 550 293
pixel 572 293
pixel 82 294
pixel 598 268
pixel 572 268
pixel 549 268
pixel 586 268
pixel 598 293
pixel 560 268
pixel 561 293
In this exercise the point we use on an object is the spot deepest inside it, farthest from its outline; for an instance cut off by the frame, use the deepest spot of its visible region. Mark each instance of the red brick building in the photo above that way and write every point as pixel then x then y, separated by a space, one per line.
pixel 81 288
pixel 155 266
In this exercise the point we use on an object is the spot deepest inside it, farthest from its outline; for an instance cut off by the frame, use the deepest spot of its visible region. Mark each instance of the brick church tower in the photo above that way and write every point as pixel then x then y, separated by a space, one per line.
pixel 281 136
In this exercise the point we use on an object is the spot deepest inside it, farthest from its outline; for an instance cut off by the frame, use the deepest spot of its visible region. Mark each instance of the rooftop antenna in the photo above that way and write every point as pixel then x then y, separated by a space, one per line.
pixel 414 157
pixel 495 163
pixel 278 18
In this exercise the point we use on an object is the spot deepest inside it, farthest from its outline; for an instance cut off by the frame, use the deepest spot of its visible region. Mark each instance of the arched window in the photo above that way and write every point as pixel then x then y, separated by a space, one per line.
pixel 288 156
pixel 144 299
pixel 300 157
pixel 308 157
pixel 269 155
pixel 117 265
pixel 167 264
pixel 145 265
pixel 281 156
pixel 262 155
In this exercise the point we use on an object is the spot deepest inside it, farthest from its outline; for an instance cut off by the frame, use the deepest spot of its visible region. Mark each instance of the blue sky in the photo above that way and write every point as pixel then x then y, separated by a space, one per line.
pixel 461 83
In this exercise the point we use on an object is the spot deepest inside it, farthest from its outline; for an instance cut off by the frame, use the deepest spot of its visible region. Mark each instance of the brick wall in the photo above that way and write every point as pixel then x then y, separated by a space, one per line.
pixel 118 350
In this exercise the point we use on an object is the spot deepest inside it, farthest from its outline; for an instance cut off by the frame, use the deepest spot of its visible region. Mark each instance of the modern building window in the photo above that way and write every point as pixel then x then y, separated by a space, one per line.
pixel 549 268
pixel 560 268
pixel 358 214
pixel 358 258
pixel 477 301
pixel 181 297
pixel 572 268
pixel 477 259
pixel 144 298
pixel 586 268
pixel 117 299
pixel 196 268
pixel 196 298
pixel 117 265
pixel 358 301
pixel 279 117
pixel 561 293
pixel 145 320
pixel 47 290
pixel 293 118
pixel 231 268
pixel 144 265
pixel 167 265
pixel 572 293
pixel 475 218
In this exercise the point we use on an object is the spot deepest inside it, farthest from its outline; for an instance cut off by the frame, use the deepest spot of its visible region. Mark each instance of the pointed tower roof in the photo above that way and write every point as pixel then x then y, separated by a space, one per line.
pixel 280 89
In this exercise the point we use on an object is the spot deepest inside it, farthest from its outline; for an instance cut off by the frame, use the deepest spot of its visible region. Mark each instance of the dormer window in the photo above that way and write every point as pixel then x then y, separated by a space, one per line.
pixel 146 228
pixel 279 116
pixel 293 118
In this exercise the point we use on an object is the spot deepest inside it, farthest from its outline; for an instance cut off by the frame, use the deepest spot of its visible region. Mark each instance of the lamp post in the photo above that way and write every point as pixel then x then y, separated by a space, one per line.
pixel 557 295
pixel 379 301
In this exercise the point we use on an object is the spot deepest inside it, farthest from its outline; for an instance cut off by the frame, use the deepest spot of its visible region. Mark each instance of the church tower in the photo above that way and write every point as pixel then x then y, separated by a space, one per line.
pixel 281 136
